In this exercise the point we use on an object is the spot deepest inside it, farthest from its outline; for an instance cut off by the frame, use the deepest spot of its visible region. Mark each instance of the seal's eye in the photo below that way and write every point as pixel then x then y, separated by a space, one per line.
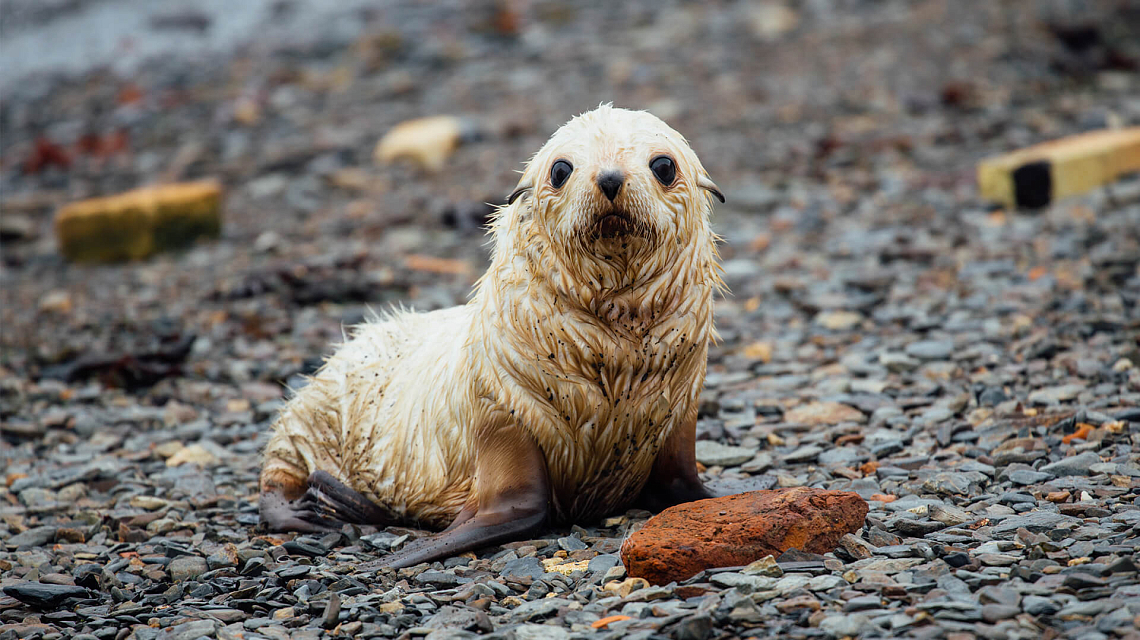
pixel 664 169
pixel 559 173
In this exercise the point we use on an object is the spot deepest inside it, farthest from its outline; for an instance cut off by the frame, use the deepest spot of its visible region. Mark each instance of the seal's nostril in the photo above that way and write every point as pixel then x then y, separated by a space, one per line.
pixel 610 183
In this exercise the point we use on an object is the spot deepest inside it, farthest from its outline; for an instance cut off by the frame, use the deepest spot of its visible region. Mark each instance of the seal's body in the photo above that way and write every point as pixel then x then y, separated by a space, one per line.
pixel 565 389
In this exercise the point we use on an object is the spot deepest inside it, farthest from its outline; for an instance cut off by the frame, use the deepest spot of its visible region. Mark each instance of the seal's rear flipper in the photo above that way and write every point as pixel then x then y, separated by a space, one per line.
pixel 510 500
pixel 325 505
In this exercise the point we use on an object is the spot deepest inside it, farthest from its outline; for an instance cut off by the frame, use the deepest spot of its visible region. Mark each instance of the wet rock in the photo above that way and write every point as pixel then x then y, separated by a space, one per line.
pixel 1055 395
pixel 739 529
pixel 185 568
pixel 34 537
pixel 823 413
pixel 712 453
pixel 1078 465
pixel 523 567
pixel 44 596
pixel 1034 521
pixel 190 630
pixel 844 625
pixel 930 349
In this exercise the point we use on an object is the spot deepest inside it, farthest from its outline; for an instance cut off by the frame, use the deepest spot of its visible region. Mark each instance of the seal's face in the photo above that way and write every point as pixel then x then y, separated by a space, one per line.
pixel 613 182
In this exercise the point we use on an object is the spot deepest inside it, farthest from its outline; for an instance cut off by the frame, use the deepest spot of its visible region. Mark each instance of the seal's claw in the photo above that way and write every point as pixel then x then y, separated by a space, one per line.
pixel 332 498
pixel 325 505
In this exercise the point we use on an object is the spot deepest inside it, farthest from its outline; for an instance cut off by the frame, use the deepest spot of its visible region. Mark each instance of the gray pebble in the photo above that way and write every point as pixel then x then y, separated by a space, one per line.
pixel 185 568
pixel 34 537
pixel 714 454
pixel 930 349
pixel 1078 465
pixel 523 568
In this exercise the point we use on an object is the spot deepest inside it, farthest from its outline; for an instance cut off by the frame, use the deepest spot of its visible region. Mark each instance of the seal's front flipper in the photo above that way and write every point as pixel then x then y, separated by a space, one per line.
pixel 510 500
pixel 674 479
pixel 325 505
pixel 330 498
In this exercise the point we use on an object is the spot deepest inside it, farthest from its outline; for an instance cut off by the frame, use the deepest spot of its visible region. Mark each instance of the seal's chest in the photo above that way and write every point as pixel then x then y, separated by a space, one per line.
pixel 606 464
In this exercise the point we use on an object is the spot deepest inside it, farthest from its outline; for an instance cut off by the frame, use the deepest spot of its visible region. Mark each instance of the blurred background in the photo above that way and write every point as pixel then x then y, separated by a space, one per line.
pixel 845 129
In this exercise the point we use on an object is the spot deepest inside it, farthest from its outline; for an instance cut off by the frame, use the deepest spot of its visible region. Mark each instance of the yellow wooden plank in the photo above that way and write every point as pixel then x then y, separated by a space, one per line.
pixel 138 223
pixel 1059 168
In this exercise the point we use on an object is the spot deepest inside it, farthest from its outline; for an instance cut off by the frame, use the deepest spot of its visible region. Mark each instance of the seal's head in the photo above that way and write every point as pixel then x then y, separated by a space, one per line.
pixel 614 195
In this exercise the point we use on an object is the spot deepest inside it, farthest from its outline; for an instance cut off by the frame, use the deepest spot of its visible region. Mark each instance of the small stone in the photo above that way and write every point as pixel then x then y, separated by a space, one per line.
pixel 440 579
pixel 1034 521
pixel 603 562
pixel 739 529
pixel 863 603
pixel 523 568
pixel 1039 606
pixel 838 320
pixel 949 514
pixel 845 625
pixel 743 583
pixel 332 611
pixel 193 454
pixel 823 413
pixel 1078 581
pixel 766 566
pixel 1026 477
pixel 711 453
pixel 799 602
pixel 769 20
pixel 856 547
pixel 557 565
pixel 34 537
pixel 745 612
pixel 930 349
pixel 805 453
pixel 1078 465
pixel 192 630
pixel 150 503
pixel 993 613
pixel 57 302
pixel 898 362
pixel 224 557
pixel 698 627
pixel 571 543
pixel 1055 395
pixel 948 482
pixel 626 587
pixel 185 568
pixel 44 596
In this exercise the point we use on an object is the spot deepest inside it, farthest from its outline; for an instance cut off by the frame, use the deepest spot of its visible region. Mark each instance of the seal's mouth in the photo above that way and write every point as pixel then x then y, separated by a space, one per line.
pixel 614 224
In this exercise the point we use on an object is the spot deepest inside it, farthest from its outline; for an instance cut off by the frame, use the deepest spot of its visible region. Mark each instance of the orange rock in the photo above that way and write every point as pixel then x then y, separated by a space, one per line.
pixel 739 529
pixel 1082 433
pixel 604 622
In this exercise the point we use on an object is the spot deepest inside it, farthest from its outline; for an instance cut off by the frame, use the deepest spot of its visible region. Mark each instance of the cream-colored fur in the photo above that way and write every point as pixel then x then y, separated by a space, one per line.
pixel 597 346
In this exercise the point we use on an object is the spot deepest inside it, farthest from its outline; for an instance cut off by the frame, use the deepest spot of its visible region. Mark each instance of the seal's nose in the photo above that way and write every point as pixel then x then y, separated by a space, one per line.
pixel 610 183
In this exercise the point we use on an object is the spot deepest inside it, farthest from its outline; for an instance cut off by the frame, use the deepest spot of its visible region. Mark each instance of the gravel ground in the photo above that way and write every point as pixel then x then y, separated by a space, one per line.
pixel 973 373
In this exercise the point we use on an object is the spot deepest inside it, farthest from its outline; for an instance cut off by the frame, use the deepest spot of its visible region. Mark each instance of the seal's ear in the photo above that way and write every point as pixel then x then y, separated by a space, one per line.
pixel 523 188
pixel 705 182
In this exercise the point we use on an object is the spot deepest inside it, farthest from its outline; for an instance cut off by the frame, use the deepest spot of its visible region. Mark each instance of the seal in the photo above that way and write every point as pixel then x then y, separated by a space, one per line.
pixel 564 390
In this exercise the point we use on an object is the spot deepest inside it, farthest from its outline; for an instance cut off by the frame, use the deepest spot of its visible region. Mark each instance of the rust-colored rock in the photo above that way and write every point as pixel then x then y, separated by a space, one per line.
pixel 737 530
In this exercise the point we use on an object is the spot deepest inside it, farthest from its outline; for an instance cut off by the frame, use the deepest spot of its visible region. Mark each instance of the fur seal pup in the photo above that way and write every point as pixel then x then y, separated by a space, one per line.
pixel 565 390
